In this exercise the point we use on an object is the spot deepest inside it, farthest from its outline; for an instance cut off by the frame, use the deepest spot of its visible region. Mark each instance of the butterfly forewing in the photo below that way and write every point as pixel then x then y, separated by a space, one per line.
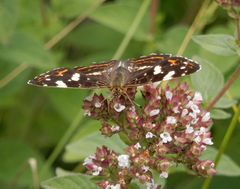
pixel 94 76
pixel 119 74
pixel 155 68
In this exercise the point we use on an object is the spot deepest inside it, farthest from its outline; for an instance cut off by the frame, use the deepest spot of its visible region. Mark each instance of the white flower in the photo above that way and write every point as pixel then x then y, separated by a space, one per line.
pixel 151 185
pixel 88 160
pixel 169 95
pixel 117 186
pixel 137 146
pixel 195 108
pixel 164 174
pixel 145 168
pixel 166 137
pixel 96 170
pixel 171 120
pixel 197 97
pixel 197 139
pixel 87 113
pixel 175 110
pixel 189 129
pixel 206 117
pixel 203 130
pixel 115 128
pixel 154 112
pixel 193 115
pixel 149 135
pixel 207 141
pixel 97 104
pixel 184 112
pixel 123 161
pixel 194 121
pixel 119 107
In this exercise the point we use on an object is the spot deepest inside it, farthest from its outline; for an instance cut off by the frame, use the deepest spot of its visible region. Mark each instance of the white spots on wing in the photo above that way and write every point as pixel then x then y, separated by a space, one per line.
pixel 48 79
pixel 143 67
pixel 61 84
pixel 75 77
pixel 185 62
pixel 182 67
pixel 95 73
pixel 88 78
pixel 157 70
pixel 169 75
pixel 45 85
pixel 183 74
pixel 145 74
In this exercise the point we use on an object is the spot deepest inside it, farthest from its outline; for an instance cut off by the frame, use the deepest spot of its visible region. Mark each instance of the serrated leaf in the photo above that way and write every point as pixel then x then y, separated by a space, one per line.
pixel 22 49
pixel 87 145
pixel 209 80
pixel 119 16
pixel 226 166
pixel 219 114
pixel 69 182
pixel 219 44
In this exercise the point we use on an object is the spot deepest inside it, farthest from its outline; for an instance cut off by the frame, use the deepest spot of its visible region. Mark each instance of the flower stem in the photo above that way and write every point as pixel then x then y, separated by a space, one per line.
pixel 57 150
pixel 153 16
pixel 132 29
pixel 193 27
pixel 223 145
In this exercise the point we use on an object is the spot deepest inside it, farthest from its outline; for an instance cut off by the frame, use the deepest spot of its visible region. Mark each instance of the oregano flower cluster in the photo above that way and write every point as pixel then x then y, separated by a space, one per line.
pixel 170 128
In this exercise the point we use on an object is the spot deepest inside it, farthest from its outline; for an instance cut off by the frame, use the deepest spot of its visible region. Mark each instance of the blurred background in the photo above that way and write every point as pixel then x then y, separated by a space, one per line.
pixel 39 35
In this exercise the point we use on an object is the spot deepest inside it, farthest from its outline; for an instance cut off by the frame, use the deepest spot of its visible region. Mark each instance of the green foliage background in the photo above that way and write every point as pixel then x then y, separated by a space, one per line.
pixel 34 120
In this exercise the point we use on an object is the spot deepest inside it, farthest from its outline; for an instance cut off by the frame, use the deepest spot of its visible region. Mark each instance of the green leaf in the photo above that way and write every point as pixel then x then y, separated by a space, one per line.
pixel 224 102
pixel 8 18
pixel 69 182
pixel 219 114
pixel 170 41
pixel 67 102
pixel 23 49
pixel 87 145
pixel 8 92
pixel 119 16
pixel 14 155
pixel 219 44
pixel 209 80
pixel 226 166
pixel 71 8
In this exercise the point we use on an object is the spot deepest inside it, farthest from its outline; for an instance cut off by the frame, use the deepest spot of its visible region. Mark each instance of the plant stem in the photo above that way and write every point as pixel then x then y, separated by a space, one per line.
pixel 152 17
pixel 227 85
pixel 193 27
pixel 223 145
pixel 52 42
pixel 122 47
pixel 57 150
pixel 33 165
pixel 14 73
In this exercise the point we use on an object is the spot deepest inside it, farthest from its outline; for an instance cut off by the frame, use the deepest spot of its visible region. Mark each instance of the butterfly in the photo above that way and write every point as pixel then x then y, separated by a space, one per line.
pixel 119 75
